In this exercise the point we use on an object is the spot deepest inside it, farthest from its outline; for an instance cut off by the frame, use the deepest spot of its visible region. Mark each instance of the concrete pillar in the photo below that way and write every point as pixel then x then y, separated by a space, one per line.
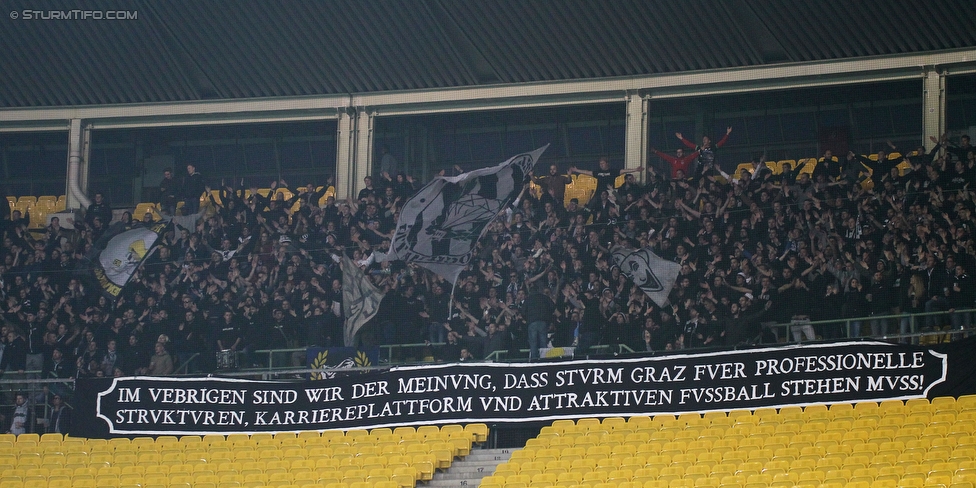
pixel 79 147
pixel 635 148
pixel 364 148
pixel 933 105
pixel 344 151
pixel 86 136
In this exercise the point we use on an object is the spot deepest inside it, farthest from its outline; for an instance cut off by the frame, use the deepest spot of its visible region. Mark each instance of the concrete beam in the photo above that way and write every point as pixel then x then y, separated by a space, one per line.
pixel 487 97
pixel 148 112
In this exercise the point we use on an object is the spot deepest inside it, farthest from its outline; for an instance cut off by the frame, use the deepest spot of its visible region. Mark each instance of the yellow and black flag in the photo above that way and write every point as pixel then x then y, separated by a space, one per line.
pixel 119 254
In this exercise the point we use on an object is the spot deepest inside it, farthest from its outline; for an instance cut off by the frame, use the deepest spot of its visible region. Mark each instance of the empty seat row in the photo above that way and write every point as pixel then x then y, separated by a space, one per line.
pixel 381 457
pixel 920 440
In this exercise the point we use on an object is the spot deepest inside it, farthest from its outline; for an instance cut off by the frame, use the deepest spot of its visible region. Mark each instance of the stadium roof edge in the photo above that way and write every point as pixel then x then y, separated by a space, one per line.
pixel 498 96
pixel 211 50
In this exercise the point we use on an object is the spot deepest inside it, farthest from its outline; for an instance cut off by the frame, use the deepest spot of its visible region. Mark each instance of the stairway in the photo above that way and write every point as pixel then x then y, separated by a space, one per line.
pixel 468 471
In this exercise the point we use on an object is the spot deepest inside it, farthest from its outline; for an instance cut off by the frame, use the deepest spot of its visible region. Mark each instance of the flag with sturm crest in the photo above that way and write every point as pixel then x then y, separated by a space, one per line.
pixel 440 225
pixel 650 272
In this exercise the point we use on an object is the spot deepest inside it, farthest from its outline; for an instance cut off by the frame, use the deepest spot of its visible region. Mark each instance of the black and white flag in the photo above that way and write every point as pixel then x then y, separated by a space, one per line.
pixel 360 300
pixel 648 271
pixel 440 225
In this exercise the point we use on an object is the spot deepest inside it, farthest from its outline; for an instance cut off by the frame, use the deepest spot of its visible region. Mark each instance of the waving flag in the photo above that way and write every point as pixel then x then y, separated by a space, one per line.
pixel 119 254
pixel 648 271
pixel 440 225
pixel 360 300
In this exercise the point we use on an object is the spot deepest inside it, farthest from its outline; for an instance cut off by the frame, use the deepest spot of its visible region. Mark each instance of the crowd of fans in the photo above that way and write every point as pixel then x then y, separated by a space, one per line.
pixel 854 238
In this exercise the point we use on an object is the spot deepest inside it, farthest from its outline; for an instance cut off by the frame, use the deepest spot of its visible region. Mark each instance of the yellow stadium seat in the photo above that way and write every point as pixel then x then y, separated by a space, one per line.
pixel 448 429
pixel 713 415
pixel 598 451
pixel 462 447
pixel 24 439
pixel 212 440
pixel 921 405
pixel 517 478
pixel 492 482
pixel 614 422
pixel 26 201
pixel 425 469
pixel 563 426
pixel 39 216
pixel 742 167
pixel 443 456
pixel 889 407
pixel 402 431
pixel 479 430
pixel 811 164
pixel 51 437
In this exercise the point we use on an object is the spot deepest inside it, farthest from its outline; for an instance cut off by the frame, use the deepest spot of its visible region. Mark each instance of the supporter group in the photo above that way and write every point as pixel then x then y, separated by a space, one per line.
pixel 847 236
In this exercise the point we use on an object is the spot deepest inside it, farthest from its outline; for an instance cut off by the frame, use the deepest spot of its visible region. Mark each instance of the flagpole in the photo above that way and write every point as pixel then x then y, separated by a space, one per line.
pixel 450 303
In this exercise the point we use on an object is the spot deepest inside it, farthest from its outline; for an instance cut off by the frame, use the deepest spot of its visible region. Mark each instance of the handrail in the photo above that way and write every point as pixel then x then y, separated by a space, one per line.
pixel 846 322
pixel 386 352
pixel 45 381
pixel 879 317
pixel 389 356
pixel 186 364
pixel 498 356
pixel 23 373
pixel 35 389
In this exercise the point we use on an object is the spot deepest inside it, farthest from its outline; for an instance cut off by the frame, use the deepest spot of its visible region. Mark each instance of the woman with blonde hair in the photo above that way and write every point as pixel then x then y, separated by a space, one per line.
pixel 161 363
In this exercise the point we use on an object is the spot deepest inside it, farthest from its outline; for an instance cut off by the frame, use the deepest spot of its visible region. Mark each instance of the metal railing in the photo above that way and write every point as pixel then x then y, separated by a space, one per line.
pixel 920 328
pixel 390 354
pixel 38 393
pixel 934 326
pixel 597 350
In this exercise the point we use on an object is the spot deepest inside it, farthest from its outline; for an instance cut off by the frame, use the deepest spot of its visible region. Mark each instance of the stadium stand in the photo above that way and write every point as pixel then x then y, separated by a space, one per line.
pixel 755 248
pixel 793 250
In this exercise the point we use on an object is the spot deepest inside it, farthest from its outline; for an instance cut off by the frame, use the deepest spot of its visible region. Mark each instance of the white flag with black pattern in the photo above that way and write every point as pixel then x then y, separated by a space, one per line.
pixel 651 273
pixel 440 225
pixel 360 300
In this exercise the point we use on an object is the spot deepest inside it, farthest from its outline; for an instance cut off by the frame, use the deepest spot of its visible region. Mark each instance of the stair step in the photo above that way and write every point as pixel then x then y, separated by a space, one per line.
pixel 464 475
pixel 481 462
pixel 504 450
pixel 473 468
pixel 490 456
pixel 452 483
pixel 468 471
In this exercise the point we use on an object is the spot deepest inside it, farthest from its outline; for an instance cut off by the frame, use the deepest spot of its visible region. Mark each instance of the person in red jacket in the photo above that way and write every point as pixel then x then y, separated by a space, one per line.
pixel 679 162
